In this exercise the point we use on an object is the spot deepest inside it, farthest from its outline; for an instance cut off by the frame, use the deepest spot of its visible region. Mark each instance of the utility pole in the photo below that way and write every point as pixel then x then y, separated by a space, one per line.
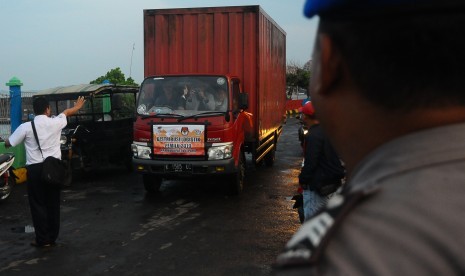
pixel 132 53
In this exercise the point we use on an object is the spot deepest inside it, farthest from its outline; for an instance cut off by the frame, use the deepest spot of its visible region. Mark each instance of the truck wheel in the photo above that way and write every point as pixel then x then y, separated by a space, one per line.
pixel 151 183
pixel 270 157
pixel 237 181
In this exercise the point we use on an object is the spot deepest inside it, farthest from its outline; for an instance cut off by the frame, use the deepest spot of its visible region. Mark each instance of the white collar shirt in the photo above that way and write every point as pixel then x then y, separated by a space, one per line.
pixel 48 131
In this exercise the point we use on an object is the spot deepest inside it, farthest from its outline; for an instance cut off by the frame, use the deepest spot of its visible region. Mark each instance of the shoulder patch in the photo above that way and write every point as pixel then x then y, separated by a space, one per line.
pixel 307 245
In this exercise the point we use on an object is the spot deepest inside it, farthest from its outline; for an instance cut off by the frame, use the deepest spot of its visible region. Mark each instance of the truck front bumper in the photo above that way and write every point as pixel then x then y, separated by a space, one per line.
pixel 195 168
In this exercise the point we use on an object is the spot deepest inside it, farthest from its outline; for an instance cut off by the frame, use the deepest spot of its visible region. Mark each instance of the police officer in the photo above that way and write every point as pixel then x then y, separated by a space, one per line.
pixel 387 84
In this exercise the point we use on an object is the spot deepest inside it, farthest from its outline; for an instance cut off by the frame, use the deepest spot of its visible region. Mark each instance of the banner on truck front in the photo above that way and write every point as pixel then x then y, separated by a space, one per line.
pixel 179 140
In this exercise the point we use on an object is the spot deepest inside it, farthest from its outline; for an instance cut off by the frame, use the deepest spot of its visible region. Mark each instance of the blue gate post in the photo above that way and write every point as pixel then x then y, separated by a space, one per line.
pixel 15 120
pixel 15 103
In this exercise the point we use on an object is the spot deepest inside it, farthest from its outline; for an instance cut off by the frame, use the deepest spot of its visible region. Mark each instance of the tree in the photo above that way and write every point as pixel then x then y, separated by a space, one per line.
pixel 303 78
pixel 297 76
pixel 114 76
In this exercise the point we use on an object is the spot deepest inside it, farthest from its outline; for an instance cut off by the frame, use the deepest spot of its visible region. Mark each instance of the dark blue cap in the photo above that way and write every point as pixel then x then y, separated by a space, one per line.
pixel 366 7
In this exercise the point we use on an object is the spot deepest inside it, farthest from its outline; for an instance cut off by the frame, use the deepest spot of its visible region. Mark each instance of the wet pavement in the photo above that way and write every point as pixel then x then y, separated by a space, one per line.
pixel 109 225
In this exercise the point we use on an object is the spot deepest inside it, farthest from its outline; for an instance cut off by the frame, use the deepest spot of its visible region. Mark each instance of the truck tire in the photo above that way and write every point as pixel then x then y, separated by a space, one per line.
pixel 151 183
pixel 236 184
pixel 270 157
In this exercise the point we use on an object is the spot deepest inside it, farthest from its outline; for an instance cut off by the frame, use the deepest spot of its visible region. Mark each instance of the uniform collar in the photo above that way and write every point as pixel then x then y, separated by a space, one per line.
pixel 409 152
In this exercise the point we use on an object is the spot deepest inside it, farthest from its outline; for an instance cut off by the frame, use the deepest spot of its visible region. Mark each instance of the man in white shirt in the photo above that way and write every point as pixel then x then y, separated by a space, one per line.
pixel 44 200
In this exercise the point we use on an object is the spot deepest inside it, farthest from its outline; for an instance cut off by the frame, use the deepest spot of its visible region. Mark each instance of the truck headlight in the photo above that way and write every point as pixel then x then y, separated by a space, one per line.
pixel 140 150
pixel 220 151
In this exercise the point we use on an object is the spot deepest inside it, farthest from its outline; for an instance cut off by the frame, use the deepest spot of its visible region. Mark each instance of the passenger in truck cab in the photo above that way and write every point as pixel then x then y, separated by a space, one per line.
pixel 199 98
pixel 221 100
pixel 205 98
pixel 186 98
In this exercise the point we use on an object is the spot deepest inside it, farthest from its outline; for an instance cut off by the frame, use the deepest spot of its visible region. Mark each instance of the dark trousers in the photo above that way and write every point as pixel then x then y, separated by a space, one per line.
pixel 44 202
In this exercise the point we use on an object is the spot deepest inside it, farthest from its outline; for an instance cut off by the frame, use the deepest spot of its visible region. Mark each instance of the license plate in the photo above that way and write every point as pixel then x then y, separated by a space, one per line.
pixel 178 167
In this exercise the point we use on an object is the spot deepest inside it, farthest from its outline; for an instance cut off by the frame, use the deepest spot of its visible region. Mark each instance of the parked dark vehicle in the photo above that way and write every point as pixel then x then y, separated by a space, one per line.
pixel 102 131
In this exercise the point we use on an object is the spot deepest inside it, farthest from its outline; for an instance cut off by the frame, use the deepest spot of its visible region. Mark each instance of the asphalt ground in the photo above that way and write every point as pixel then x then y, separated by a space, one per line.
pixel 111 226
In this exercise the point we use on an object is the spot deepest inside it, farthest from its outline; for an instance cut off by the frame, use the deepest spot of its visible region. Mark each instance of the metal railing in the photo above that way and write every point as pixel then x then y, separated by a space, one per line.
pixel 5 121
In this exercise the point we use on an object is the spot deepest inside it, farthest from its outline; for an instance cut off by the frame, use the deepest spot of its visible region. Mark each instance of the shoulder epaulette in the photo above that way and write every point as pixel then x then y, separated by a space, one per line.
pixel 307 245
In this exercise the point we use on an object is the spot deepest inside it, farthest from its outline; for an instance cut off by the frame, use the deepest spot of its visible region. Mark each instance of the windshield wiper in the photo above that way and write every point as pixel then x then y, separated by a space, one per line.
pixel 205 114
pixel 161 115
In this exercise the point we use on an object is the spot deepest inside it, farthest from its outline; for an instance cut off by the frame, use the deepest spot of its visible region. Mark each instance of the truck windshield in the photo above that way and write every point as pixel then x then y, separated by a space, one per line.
pixel 183 95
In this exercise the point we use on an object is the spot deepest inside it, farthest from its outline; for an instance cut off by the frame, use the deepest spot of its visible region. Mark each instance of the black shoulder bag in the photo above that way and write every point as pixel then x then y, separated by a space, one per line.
pixel 54 170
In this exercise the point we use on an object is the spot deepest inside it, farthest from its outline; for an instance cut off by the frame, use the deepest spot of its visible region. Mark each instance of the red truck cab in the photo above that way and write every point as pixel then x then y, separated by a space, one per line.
pixel 190 134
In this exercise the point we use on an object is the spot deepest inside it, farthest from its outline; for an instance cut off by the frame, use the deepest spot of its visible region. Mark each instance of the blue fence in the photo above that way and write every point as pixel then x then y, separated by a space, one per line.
pixel 5 113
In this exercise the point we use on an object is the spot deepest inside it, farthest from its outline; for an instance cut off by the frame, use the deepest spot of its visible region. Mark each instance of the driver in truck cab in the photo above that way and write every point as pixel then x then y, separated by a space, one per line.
pixel 148 95
pixel 169 97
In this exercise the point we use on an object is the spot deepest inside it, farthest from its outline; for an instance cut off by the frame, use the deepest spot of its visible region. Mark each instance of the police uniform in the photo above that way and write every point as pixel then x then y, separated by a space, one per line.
pixel 399 214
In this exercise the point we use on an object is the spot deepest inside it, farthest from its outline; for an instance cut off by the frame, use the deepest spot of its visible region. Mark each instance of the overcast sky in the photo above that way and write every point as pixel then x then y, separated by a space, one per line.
pixel 51 43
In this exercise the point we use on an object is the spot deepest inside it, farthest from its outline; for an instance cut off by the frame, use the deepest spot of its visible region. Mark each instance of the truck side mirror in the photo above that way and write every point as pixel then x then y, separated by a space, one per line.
pixel 243 101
